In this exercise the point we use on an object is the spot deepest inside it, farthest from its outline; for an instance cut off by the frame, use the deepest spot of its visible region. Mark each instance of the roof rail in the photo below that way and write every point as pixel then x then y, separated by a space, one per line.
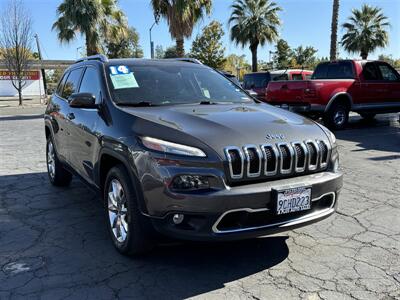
pixel 99 57
pixel 186 59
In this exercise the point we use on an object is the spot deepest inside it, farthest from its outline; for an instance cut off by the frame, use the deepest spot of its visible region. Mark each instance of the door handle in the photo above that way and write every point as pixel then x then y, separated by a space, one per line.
pixel 70 116
pixel 284 87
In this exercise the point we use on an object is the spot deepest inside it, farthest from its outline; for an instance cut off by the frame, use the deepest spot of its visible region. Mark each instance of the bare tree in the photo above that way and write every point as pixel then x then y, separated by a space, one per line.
pixel 15 42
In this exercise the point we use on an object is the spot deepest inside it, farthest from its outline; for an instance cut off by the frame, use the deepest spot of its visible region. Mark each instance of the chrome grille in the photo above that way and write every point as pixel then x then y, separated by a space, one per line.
pixel 252 161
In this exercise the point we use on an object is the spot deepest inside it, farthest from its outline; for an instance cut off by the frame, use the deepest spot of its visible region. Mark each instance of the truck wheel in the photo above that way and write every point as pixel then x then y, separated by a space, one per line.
pixel 368 116
pixel 337 116
pixel 130 231
pixel 58 176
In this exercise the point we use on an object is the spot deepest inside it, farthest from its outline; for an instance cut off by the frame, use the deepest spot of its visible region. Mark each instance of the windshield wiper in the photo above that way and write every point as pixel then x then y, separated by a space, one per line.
pixel 137 104
pixel 207 102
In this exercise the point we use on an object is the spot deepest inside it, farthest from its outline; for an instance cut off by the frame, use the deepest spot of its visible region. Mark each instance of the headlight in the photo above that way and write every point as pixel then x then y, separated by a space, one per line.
pixel 172 148
pixel 331 136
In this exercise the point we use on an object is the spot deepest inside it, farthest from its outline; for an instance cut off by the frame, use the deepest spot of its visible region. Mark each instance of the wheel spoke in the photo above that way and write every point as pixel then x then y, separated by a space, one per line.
pixel 117 210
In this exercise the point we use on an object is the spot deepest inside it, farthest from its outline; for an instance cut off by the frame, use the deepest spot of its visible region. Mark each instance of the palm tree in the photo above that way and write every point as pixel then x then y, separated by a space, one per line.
pixel 366 31
pixel 95 19
pixel 334 28
pixel 181 16
pixel 255 22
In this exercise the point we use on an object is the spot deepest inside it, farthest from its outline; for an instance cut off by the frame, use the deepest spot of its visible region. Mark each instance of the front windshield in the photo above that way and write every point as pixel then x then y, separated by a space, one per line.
pixel 170 83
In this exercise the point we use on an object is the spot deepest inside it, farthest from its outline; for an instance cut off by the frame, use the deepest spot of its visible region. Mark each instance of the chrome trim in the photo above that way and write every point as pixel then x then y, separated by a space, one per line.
pixel 276 153
pixel 226 150
pixel 328 155
pixel 302 219
pixel 247 156
pixel 296 159
pixel 291 152
pixel 310 166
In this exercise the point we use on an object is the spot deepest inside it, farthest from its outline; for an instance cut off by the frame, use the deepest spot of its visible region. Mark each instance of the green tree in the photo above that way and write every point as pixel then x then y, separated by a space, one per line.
pixel 334 29
pixel 365 31
pixel 283 54
pixel 208 47
pixel 237 65
pixel 159 52
pixel 181 16
pixel 124 46
pixel 304 56
pixel 171 52
pixel 254 23
pixel 92 18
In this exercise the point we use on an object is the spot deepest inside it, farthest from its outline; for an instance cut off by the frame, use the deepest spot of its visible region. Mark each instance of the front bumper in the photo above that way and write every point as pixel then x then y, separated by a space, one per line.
pixel 245 211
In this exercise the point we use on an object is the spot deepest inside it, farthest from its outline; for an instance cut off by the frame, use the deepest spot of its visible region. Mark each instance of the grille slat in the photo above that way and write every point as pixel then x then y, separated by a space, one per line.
pixel 280 159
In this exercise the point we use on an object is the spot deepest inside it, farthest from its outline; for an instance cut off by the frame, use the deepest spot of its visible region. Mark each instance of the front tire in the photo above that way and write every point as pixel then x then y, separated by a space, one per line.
pixel 58 176
pixel 130 231
pixel 337 116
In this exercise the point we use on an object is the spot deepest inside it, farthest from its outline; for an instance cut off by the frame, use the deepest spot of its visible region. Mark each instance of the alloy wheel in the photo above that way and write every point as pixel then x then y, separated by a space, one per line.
pixel 51 161
pixel 117 210
pixel 339 117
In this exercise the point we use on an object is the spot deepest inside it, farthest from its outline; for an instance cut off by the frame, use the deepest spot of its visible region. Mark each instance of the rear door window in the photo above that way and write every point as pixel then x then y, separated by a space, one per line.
pixel 72 83
pixel 297 76
pixel 388 74
pixel 370 72
pixel 61 84
pixel 278 77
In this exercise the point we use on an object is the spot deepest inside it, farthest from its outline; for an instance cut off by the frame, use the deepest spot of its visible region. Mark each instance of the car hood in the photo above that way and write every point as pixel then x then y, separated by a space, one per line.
pixel 223 125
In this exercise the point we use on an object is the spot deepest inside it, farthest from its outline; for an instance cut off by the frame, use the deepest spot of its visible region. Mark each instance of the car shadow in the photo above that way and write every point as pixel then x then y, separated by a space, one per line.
pixel 66 229
pixel 380 134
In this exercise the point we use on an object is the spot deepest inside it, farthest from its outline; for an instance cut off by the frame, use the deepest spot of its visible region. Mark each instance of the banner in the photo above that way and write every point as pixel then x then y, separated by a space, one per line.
pixel 27 75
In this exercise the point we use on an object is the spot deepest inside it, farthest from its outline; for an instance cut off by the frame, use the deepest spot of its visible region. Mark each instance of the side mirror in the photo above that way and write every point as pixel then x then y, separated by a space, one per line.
pixel 82 100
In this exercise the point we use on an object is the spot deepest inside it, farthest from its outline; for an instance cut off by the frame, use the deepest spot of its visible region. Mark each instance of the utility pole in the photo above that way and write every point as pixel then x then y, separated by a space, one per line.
pixel 151 41
pixel 40 58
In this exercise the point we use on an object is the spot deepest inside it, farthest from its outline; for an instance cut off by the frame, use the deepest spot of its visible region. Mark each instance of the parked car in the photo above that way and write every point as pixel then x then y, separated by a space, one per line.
pixel 169 146
pixel 258 82
pixel 336 88
pixel 231 77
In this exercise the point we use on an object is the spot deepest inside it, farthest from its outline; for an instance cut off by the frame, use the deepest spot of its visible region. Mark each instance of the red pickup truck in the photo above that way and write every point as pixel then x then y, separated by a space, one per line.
pixel 336 88
pixel 257 82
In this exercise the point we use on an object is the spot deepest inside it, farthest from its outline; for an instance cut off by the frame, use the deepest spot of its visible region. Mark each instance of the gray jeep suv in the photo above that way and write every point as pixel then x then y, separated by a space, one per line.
pixel 177 149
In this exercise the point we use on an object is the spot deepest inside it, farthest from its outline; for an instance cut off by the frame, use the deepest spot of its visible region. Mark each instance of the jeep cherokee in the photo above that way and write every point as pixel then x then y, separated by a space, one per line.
pixel 176 148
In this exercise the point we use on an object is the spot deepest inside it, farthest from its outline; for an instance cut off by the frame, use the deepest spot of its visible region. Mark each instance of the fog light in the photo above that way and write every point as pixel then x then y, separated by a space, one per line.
pixel 187 183
pixel 178 218
pixel 336 165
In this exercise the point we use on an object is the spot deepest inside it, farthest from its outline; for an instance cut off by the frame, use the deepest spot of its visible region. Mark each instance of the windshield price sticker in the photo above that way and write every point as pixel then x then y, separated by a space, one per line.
pixel 122 78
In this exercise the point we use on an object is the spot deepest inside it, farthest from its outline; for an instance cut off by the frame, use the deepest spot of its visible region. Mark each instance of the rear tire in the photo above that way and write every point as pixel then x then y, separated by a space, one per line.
pixel 130 231
pixel 337 116
pixel 58 176
pixel 368 116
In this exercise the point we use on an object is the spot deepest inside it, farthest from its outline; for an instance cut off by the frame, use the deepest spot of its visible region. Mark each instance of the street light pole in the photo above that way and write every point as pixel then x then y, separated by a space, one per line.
pixel 42 70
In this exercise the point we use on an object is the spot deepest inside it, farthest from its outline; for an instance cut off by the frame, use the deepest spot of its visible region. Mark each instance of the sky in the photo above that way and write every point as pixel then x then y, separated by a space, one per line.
pixel 305 22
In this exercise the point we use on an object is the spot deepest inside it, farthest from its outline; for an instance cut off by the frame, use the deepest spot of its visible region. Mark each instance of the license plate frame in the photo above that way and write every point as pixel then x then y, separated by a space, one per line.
pixel 291 200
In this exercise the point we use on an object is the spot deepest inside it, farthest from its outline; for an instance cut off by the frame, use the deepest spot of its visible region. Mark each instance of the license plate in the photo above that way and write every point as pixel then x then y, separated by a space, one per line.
pixel 293 200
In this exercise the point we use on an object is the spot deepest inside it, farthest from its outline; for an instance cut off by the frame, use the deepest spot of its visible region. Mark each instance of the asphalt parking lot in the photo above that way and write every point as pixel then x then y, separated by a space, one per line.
pixel 54 243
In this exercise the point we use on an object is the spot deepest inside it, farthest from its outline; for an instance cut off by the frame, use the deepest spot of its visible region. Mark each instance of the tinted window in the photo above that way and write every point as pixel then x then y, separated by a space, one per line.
pixel 370 72
pixel 297 76
pixel 256 80
pixel 277 77
pixel 169 83
pixel 339 70
pixel 61 84
pixel 71 85
pixel 308 76
pixel 91 84
pixel 388 73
